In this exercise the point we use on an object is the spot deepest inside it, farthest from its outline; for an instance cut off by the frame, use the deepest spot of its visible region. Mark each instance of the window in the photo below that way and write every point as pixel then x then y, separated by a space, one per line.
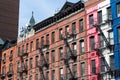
pixel 4 60
pixel 93 66
pixel 119 35
pixel 36 76
pixel 74 48
pixel 47 39
pixel 60 33
pixel 37 43
pixel 101 41
pixel 67 30
pixel 68 76
pixel 91 20
pixel 61 53
pixel 92 43
pixel 42 41
pixel 18 50
pixel 10 67
pixel 22 49
pixel 26 63
pixel 82 68
pixel 53 37
pixel 109 13
pixel 53 56
pixel 31 62
pixel 67 52
pixel 111 40
pixel 22 64
pixel 18 66
pixel 81 25
pixel 30 78
pixel 82 46
pixel 47 75
pixel 112 62
pixel 74 28
pixel 118 10
pixel 27 47
pixel 61 73
pixel 31 46
pixel 102 64
pixel 75 70
pixel 11 54
pixel 36 60
pixel 100 17
pixel 47 57
pixel 4 70
pixel 53 74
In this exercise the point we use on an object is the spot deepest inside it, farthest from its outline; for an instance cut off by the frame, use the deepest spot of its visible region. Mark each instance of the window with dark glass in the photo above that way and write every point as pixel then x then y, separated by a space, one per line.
pixel 67 52
pixel 31 60
pixel 61 53
pixel 61 73
pixel 91 20
pixel 82 50
pixel 67 30
pixel 47 75
pixel 111 37
pixel 101 41
pixel 53 37
pixel 22 49
pixel 119 35
pixel 82 68
pixel 75 70
pixel 27 47
pixel 53 74
pixel 109 13
pixel 26 63
pixel 68 76
pixel 92 43
pixel 53 56
pixel 102 61
pixel 81 25
pixel 74 48
pixel 31 46
pixel 93 66
pixel 47 57
pixel 37 43
pixel 100 17
pixel 112 62
pixel 74 28
pixel 22 64
pixel 60 33
pixel 11 54
pixel 118 10
pixel 42 41
pixel 11 67
pixel 18 50
pixel 47 39
pixel 30 78
pixel 18 66
pixel 36 76
pixel 36 59
pixel 3 70
pixel 4 60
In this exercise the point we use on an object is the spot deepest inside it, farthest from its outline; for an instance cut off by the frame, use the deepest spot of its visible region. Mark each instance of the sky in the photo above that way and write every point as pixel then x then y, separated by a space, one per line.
pixel 42 9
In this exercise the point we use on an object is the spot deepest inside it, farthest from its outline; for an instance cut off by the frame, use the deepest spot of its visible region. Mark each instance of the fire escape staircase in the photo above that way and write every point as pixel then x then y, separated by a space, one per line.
pixel 71 56
pixel 108 46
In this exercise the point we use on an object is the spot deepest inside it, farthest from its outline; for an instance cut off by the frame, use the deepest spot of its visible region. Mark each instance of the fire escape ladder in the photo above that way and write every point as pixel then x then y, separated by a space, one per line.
pixel 99 50
pixel 44 63
pixel 72 55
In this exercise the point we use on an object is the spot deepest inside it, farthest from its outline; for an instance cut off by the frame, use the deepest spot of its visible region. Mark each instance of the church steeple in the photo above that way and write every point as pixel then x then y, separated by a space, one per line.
pixel 32 20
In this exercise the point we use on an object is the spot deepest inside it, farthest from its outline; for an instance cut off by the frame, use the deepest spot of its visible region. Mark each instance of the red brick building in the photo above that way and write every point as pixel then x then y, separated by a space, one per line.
pixel 9 13
pixel 54 49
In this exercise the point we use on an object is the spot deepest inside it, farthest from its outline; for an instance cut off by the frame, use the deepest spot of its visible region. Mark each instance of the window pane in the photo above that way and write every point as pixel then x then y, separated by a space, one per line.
pixel 74 28
pixel 81 25
pixel 91 20
pixel 92 43
pixel 82 69
pixel 82 46
pixel 118 10
pixel 93 64
pixel 61 53
pixel 102 65
pixel 60 34
pixel 119 34
pixel 109 13
pixel 112 62
pixel 61 73
pixel 100 17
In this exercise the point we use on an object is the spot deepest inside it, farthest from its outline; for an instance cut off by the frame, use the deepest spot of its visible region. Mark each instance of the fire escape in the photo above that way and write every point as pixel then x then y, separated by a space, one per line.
pixel 99 51
pixel 43 63
pixel 70 54
pixel 23 67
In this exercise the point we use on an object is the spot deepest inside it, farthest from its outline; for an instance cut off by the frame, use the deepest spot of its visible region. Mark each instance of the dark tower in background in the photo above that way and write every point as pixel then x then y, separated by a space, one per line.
pixel 9 13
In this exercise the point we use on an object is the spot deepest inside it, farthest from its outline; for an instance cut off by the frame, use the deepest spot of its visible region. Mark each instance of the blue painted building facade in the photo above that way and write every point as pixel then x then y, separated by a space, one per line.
pixel 115 8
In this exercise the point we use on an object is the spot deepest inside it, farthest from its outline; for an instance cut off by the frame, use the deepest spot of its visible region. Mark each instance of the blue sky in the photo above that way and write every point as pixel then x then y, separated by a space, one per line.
pixel 42 9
